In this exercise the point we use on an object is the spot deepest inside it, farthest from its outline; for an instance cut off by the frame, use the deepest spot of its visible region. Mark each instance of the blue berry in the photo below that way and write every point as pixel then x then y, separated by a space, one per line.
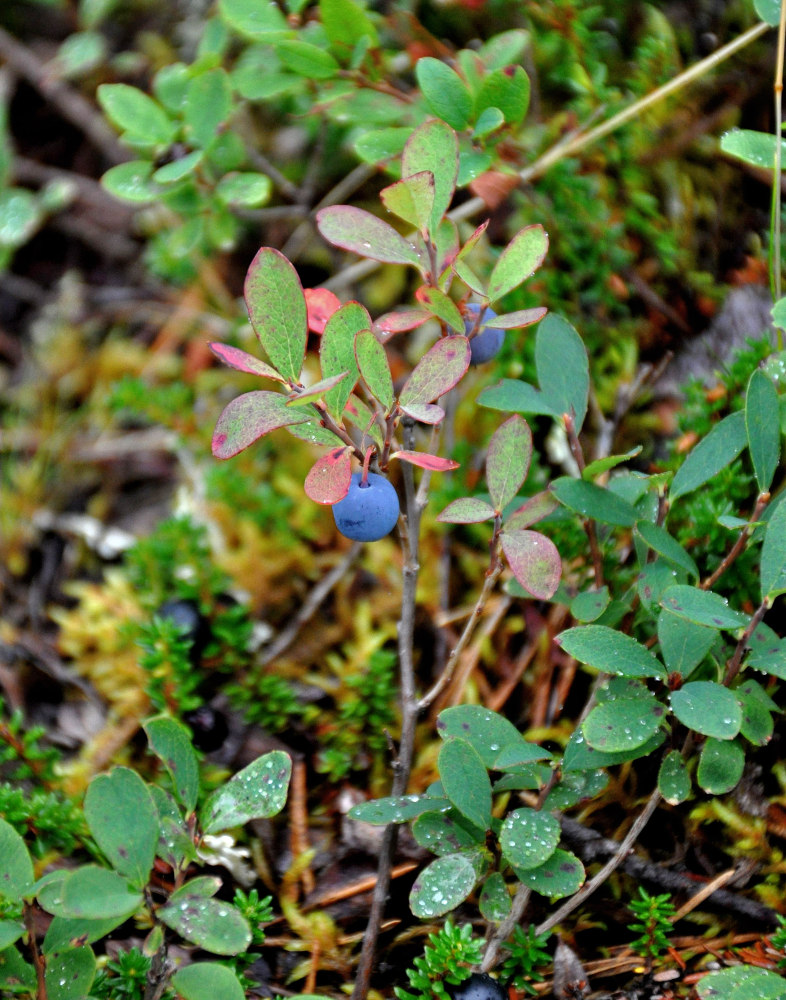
pixel 369 511
pixel 486 344
pixel 479 986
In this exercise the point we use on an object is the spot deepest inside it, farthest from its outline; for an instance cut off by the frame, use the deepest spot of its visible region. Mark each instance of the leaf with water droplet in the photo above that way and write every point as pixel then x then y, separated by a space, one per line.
pixel 257 792
pixel 495 902
pixel 69 973
pixel 610 651
pixel 396 808
pixel 440 368
pixel 773 554
pixel 441 886
pixel 330 476
pixel 486 731
pixel 703 607
pixel 560 875
pixel 708 708
pixel 534 559
pixel 623 724
pixel 123 820
pixel 528 838
pixel 211 924
pixel 720 766
pixel 518 261
pixel 673 778
pixel 360 232
pixel 207 981
pixel 465 780
pixel 170 742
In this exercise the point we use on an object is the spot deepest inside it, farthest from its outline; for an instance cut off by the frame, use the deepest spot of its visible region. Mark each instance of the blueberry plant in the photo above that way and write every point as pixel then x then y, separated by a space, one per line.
pixel 683 675
pixel 140 832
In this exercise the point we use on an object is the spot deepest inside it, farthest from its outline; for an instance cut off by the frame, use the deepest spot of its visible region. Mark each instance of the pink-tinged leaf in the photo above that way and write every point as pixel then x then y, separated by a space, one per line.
pixel 337 352
pixel 244 362
pixel 432 462
pixel 534 560
pixel 473 241
pixel 399 322
pixel 535 509
pixel 364 234
pixel 517 320
pixel 507 462
pixel 411 199
pixel 330 476
pixel 467 510
pixel 433 146
pixel 374 369
pixel 277 309
pixel 424 413
pixel 441 306
pixel 248 418
pixel 448 245
pixel 321 303
pixel 302 396
pixel 440 368
pixel 520 259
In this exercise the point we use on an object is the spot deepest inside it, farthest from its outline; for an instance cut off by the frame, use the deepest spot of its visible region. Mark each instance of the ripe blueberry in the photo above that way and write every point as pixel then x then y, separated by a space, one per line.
pixel 190 622
pixel 479 986
pixel 487 343
pixel 369 511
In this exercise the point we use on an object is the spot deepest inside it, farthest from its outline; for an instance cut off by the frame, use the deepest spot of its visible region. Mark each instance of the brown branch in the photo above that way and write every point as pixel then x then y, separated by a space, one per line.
pixel 739 545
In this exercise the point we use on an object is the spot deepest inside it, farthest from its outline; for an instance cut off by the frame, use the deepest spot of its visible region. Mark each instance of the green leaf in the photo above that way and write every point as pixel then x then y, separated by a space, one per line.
pixel 433 147
pixel 488 121
pixel 773 555
pixel 445 832
pixel 595 502
pixel 441 886
pixel 69 974
pixel 277 309
pixel 211 924
pixel 756 148
pixel 673 778
pixel 714 452
pixel 494 902
pixel 486 731
pixel 374 368
pixel 508 460
pixel 660 541
pixel 10 931
pixel 440 368
pixel 517 320
pixel 208 105
pixel 330 476
pixel 131 182
pixel 379 145
pixel 563 367
pixel 123 819
pixel 757 724
pixel 175 171
pixel 623 723
pixel 397 809
pixel 528 838
pixel 764 433
pixel 518 261
pixel 67 932
pixel 412 199
pixel 580 756
pixel 444 91
pixel 250 417
pixel 257 792
pixel 703 607
pixel 512 396
pixel 720 766
pixel 508 91
pixel 467 510
pixel 16 867
pixel 170 742
pixel 708 708
pixel 207 981
pixel 590 605
pixel 561 875
pixel 744 982
pixel 143 120
pixel 346 23
pixel 683 643
pixel 245 190
pixel 95 894
pixel 337 352
pixel 518 753
pixel 601 465
pixel 362 233
pixel 307 60
pixel 466 782
pixel 534 559
pixel 255 20
pixel 610 651
pixel 442 306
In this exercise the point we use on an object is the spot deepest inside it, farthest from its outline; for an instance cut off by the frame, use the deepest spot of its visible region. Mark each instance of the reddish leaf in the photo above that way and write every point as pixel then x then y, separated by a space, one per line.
pixel 534 560
pixel 400 322
pixel 425 413
pixel 411 199
pixel 517 320
pixel 243 361
pixel 437 372
pixel 364 234
pixel 277 309
pixel 536 508
pixel 301 396
pixel 467 510
pixel 330 476
pixel 507 463
pixel 441 306
pixel 321 303
pixel 425 461
pixel 248 418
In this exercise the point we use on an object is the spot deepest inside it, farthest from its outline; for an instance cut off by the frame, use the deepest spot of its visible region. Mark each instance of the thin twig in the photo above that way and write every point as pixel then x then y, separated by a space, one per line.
pixel 776 188
pixel 505 929
pixel 739 545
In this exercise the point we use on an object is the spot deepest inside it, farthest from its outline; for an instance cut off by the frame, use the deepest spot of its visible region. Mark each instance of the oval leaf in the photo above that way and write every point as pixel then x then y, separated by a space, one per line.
pixel 97 893
pixel 764 432
pixel 69 973
pixel 337 352
pixel 411 199
pixel 243 361
pixel 467 510
pixel 425 461
pixel 708 708
pixel 720 766
pixel 445 833
pixel 123 820
pixel 702 607
pixel 594 502
pixel 321 303
pixel 433 147
pixel 534 560
pixel 211 924
pixel 206 981
pixel 372 362
pixel 495 902
pixel 466 781
pixel 660 541
pixel 250 417
pixel 441 886
pixel 486 731
pixel 610 651
pixel 440 368
pixel 330 476
pixel 623 723
pixel 397 809
pixel 673 778
pixel 518 261
pixel 773 555
pixel 714 452
pixel 528 838
pixel 508 460
pixel 444 91
pixel 563 368
pixel 257 792
pixel 683 644
pixel 16 868
pixel 277 310
pixel 561 875
pixel 171 743
pixel 366 235
pixel 532 511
